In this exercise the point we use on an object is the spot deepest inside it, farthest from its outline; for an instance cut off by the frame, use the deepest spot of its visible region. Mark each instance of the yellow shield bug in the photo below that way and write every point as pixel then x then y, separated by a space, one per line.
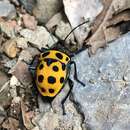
pixel 50 70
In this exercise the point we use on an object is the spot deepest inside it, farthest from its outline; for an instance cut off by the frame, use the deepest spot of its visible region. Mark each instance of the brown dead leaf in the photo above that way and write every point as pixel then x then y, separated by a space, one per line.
pixel 109 25
pixel 10 124
pixel 27 116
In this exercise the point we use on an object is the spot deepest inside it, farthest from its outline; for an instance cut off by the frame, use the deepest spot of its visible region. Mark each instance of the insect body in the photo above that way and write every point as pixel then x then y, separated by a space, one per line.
pixel 52 72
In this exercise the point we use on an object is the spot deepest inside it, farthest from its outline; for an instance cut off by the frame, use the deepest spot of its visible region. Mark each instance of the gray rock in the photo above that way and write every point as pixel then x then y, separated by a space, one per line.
pixel 25 56
pixel 33 51
pixel 21 43
pixel 54 21
pixel 45 9
pixel 10 48
pixel 10 63
pixel 43 106
pixel 57 121
pixel 7 10
pixel 79 11
pixel 9 28
pixel 38 38
pixel 21 72
pixel 63 30
pixel 105 100
pixel 28 4
pixel 55 117
pixel 14 83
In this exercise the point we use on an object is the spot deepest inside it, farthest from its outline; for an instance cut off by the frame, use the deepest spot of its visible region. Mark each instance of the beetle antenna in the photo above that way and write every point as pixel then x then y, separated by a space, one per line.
pixel 75 28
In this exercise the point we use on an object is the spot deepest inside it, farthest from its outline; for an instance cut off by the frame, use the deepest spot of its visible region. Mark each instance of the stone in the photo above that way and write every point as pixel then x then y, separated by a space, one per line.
pixel 9 64
pixel 55 117
pixel 72 120
pixel 56 103
pixel 28 4
pixel 9 27
pixel 36 128
pixel 33 51
pixel 44 10
pixel 54 21
pixel 21 43
pixel 16 100
pixel 7 10
pixel 39 38
pixel 25 56
pixel 29 21
pixel 43 106
pixel 104 102
pixel 63 29
pixel 79 11
pixel 10 48
pixel 21 72
pixel 50 118
pixel 13 84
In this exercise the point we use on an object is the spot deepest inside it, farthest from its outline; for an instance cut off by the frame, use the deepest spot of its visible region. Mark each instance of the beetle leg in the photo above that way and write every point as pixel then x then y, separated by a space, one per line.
pixel 75 73
pixel 63 101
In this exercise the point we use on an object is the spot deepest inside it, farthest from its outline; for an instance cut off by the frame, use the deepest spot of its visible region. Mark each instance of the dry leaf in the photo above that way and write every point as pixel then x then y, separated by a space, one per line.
pixel 27 116
pixel 111 26
pixel 10 124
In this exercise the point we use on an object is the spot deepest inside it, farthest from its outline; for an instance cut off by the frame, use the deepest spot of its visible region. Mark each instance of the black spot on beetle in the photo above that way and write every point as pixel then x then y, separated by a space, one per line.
pixel 51 90
pixel 63 66
pixel 40 78
pixel 45 54
pixel 61 79
pixel 67 58
pixel 49 61
pixel 59 55
pixel 43 90
pixel 51 79
pixel 41 66
pixel 55 68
